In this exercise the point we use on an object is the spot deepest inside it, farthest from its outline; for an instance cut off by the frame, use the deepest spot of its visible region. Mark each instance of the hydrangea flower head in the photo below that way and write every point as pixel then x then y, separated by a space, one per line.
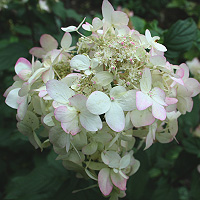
pixel 93 101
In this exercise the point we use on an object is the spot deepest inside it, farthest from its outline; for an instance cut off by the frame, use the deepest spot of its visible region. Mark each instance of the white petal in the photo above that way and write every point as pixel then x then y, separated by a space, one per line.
pixel 66 41
pixel 146 81
pixel 90 122
pixel 22 109
pixel 59 91
pixel 158 60
pixel 87 26
pixel 48 119
pixel 98 103
pixel 125 161
pixel 160 47
pixel 142 118
pixel 148 36
pixel 12 98
pixel 151 135
pixel 80 62
pixel 64 114
pixel 115 117
pixel 158 111
pixel 116 91
pixel 127 101
pixel 71 127
pixel 69 29
pixel 119 18
pixel 97 23
pixel 159 96
pixel 107 10
pixel 79 102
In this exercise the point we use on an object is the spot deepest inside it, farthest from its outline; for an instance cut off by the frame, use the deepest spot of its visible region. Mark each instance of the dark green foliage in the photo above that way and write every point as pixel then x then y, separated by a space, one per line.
pixel 180 37
pixel 167 172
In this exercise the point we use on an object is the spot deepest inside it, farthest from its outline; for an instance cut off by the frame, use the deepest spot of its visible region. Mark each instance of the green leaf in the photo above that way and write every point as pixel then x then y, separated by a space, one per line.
pixel 74 15
pixel 192 145
pixel 59 9
pixel 41 183
pixel 180 37
pixel 10 54
pixel 24 30
pixel 138 23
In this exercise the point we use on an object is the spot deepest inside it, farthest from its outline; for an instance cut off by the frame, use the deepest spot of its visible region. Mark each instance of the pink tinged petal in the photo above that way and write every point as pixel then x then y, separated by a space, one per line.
pixel 21 111
pixel 66 41
pixel 64 114
pixel 104 181
pixel 160 47
pixel 141 118
pixel 193 86
pixel 158 111
pixel 119 18
pixel 37 52
pixel 186 70
pixel 42 93
pixel 107 10
pixel 115 117
pixel 176 80
pixel 59 91
pixel 80 62
pixel 87 26
pixel 12 98
pixel 158 95
pixel 143 101
pixel 90 122
pixel 180 72
pixel 155 52
pixel 170 100
pixel 98 103
pixel 158 60
pixel 118 180
pixel 48 43
pixel 79 102
pixel 22 64
pixel 146 81
pixel 71 127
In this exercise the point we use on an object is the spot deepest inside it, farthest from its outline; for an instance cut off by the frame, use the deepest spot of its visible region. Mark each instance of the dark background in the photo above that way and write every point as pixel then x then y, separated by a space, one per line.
pixel 168 171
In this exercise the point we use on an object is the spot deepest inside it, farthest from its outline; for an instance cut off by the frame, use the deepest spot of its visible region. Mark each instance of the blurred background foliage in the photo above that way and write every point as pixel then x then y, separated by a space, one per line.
pixel 168 171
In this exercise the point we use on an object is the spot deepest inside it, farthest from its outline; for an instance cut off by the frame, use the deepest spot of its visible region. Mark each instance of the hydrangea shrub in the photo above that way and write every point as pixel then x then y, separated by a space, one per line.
pixel 90 101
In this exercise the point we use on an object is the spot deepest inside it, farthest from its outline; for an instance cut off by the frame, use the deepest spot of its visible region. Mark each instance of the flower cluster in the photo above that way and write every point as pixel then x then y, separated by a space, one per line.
pixel 194 67
pixel 91 101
